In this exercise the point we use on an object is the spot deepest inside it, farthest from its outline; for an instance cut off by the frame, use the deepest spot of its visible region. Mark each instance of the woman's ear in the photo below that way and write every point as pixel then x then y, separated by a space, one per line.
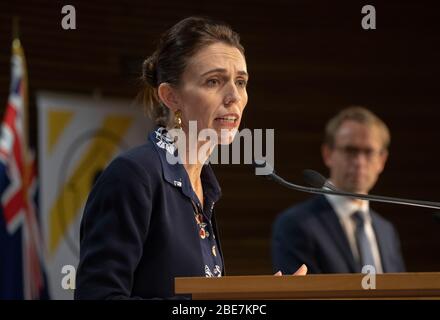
pixel 168 96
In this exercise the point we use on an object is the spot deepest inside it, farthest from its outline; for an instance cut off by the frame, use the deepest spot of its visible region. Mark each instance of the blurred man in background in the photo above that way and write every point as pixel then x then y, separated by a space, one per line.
pixel 333 234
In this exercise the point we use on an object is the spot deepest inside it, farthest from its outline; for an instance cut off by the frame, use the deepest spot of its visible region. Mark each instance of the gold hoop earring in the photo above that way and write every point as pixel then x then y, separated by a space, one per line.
pixel 178 119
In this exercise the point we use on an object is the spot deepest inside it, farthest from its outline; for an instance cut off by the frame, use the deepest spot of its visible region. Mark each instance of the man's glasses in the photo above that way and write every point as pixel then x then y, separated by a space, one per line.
pixel 352 152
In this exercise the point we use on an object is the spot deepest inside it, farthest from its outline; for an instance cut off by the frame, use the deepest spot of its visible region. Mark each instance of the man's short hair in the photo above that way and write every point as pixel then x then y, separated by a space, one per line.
pixel 360 115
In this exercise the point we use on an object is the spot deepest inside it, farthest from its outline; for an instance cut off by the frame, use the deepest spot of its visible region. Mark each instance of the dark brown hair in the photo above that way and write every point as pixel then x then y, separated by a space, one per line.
pixel 360 115
pixel 175 48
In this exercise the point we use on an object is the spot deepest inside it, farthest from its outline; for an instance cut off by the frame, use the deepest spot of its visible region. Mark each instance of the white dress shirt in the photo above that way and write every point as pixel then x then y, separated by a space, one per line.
pixel 344 208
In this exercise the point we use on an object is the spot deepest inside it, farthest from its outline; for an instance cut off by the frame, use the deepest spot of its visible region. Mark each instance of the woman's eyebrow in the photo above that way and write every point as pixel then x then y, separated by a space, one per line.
pixel 222 70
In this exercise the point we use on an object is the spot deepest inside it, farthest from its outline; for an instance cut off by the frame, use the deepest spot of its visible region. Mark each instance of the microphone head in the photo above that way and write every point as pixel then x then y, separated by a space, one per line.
pixel 314 179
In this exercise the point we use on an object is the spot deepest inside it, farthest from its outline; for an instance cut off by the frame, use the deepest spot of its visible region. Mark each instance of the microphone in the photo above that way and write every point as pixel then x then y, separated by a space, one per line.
pixel 318 182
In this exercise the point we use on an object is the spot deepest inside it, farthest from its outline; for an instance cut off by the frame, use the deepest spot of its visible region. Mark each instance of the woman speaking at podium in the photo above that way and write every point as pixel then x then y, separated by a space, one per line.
pixel 149 219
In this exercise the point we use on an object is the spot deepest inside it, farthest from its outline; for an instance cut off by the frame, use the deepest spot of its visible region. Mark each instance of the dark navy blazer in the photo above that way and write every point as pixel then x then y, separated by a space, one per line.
pixel 311 233
pixel 139 231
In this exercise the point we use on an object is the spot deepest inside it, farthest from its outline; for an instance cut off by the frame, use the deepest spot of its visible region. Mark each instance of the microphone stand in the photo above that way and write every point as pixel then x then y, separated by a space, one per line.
pixel 416 203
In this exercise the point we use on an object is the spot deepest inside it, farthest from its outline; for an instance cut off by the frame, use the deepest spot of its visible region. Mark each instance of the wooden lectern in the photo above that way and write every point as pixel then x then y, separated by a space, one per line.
pixel 329 286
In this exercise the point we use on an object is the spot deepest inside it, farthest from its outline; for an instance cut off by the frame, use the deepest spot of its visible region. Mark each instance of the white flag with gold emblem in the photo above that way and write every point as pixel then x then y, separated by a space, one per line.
pixel 78 137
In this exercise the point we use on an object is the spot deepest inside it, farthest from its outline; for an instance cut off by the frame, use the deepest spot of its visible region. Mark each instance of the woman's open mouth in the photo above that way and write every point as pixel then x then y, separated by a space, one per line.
pixel 228 121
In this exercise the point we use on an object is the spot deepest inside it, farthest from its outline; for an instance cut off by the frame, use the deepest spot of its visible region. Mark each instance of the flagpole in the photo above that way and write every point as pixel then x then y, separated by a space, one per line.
pixel 17 155
pixel 18 49
pixel 33 280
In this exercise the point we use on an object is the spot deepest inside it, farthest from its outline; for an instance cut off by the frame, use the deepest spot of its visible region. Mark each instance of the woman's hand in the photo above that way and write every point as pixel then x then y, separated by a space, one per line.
pixel 302 271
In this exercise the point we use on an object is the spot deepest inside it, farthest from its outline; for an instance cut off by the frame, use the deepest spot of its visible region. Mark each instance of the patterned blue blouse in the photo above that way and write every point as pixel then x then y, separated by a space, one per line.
pixel 202 216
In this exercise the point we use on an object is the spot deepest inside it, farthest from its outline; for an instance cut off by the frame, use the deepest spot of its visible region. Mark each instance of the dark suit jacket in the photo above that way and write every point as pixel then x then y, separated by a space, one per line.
pixel 138 231
pixel 311 233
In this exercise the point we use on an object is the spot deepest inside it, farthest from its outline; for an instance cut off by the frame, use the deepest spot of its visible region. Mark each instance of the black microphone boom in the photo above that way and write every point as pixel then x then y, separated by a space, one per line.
pixel 316 181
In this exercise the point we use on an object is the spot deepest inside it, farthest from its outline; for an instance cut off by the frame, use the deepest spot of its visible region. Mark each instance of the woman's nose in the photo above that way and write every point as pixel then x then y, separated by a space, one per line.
pixel 232 95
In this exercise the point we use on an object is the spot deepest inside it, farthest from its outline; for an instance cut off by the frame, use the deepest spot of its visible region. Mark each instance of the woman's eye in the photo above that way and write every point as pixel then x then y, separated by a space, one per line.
pixel 241 83
pixel 212 82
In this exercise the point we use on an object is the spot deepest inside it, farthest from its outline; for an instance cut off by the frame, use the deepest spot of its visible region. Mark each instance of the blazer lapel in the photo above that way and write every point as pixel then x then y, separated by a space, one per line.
pixel 334 228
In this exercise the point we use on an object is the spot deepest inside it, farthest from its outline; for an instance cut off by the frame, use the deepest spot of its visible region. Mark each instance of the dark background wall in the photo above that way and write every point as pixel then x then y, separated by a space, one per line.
pixel 306 62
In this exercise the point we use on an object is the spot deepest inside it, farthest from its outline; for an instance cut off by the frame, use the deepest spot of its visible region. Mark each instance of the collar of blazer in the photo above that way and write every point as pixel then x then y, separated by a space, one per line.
pixel 174 172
